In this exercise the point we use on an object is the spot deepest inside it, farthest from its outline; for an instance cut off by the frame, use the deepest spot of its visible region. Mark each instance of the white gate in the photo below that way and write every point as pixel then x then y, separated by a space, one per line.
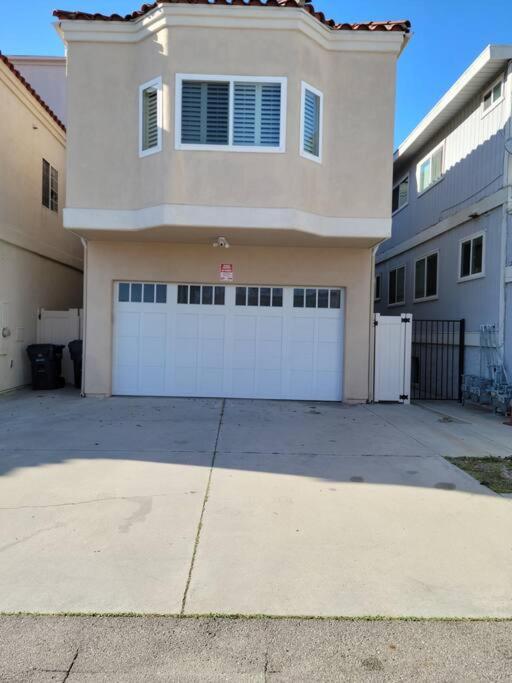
pixel 392 370
pixel 60 327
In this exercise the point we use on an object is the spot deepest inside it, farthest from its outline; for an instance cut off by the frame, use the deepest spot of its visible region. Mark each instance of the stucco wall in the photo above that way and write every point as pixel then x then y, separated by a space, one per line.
pixel 104 166
pixel 29 282
pixel 27 135
pixel 109 261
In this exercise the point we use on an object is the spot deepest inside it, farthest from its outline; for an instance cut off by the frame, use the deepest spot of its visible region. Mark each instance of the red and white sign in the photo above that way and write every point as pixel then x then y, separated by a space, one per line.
pixel 226 272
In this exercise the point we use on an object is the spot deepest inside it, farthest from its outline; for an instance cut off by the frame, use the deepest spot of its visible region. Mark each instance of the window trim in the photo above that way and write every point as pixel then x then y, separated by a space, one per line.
pixel 422 161
pixel 230 147
pixel 397 184
pixel 488 90
pixel 397 303
pixel 153 83
pixel 463 240
pixel 304 86
pixel 424 257
pixel 378 276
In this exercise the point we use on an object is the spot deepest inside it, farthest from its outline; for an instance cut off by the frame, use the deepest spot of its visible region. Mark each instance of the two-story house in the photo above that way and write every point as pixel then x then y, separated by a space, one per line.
pixel 40 263
pixel 229 167
pixel 450 253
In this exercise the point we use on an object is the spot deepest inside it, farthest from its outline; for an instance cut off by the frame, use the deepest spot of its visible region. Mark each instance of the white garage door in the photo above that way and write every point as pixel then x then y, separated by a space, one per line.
pixel 228 341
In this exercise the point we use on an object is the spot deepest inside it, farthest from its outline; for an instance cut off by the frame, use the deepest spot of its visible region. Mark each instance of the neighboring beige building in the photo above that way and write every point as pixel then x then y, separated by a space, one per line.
pixel 40 263
pixel 262 127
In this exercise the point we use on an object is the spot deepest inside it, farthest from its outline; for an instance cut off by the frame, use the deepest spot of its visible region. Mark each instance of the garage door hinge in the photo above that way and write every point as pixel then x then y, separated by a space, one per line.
pixel 404 397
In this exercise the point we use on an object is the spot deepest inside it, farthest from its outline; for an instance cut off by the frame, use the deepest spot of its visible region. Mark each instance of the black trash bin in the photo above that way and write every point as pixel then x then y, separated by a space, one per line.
pixel 75 351
pixel 46 361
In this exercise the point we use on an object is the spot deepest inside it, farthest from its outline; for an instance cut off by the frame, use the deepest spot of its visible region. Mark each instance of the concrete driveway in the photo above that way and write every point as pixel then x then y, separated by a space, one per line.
pixel 189 506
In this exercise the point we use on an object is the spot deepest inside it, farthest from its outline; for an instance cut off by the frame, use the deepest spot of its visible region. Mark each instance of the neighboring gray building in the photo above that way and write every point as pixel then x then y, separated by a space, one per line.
pixel 450 253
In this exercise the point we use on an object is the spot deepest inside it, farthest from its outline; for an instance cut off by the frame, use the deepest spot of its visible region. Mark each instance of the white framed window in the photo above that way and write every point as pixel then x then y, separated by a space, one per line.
pixel 430 169
pixel 426 277
pixel 50 186
pixel 472 257
pixel 230 113
pixel 150 117
pixel 311 122
pixel 400 195
pixel 493 95
pixel 378 285
pixel 396 286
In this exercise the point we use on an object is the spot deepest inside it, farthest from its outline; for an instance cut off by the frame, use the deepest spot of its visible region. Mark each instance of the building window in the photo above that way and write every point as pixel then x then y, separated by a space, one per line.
pixel 312 102
pixel 259 296
pixel 425 277
pixel 50 187
pixel 400 196
pixel 150 117
pixel 138 292
pixel 207 295
pixel 472 257
pixel 396 286
pixel 493 96
pixel 378 279
pixel 230 113
pixel 431 169
pixel 316 298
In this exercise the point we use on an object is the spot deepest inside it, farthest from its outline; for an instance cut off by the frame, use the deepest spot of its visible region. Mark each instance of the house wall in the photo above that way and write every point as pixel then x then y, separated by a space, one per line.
pixel 111 261
pixel 40 262
pixel 474 168
pixel 478 301
pixel 29 282
pixel 359 90
pixel 47 75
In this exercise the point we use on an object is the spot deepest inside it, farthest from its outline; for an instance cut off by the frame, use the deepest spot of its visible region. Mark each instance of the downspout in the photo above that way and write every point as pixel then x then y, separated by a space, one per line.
pixel 507 180
pixel 84 320
pixel 371 358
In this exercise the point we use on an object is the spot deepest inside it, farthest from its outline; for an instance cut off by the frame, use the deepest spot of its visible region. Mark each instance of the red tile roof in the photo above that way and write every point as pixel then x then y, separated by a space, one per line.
pixel 31 90
pixel 403 25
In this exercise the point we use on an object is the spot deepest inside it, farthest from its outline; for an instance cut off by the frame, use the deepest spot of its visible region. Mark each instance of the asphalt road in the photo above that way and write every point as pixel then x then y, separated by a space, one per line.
pixel 259 649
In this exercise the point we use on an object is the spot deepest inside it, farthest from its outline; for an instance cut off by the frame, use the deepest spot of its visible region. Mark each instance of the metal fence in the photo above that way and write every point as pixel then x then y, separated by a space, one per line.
pixel 437 363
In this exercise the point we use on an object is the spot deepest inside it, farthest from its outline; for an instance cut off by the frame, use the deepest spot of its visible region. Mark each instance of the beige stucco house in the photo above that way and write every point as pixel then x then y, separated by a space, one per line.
pixel 40 263
pixel 229 167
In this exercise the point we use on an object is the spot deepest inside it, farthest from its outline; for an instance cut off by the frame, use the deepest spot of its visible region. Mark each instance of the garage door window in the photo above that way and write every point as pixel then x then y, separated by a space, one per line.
pixel 137 292
pixel 316 298
pixel 201 294
pixel 259 296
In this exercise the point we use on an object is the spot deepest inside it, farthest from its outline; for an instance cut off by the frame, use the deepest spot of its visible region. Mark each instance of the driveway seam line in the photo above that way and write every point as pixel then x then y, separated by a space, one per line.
pixel 66 676
pixel 205 500
pixel 409 436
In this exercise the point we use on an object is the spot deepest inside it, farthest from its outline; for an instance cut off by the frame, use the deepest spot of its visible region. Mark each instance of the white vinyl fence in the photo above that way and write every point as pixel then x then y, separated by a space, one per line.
pixel 60 327
pixel 393 346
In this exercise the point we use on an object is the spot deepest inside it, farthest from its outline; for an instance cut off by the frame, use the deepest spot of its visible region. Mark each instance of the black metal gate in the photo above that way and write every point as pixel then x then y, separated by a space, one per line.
pixel 437 363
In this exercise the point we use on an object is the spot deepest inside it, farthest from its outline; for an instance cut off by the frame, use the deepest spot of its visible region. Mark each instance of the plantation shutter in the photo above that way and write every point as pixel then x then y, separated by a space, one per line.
pixel 311 115
pixel 204 113
pixel 257 114
pixel 149 118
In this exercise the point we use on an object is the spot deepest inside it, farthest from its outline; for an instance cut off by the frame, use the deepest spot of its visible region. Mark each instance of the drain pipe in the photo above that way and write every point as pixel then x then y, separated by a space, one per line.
pixel 84 316
pixel 371 352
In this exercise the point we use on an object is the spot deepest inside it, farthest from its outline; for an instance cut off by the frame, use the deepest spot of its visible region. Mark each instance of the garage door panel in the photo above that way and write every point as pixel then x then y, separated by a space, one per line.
pixel 245 327
pixel 192 342
pixel 269 355
pixel 187 325
pixel 153 324
pixel 128 323
pixel 244 354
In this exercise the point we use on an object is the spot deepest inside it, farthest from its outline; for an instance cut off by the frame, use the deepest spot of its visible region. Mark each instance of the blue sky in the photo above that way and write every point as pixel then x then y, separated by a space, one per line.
pixel 448 35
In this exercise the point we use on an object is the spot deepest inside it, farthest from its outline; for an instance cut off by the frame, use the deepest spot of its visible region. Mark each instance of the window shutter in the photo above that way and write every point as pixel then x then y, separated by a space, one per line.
pixel 150 118
pixel 204 113
pixel 270 127
pixel 217 113
pixel 46 184
pixel 311 123
pixel 191 96
pixel 245 114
